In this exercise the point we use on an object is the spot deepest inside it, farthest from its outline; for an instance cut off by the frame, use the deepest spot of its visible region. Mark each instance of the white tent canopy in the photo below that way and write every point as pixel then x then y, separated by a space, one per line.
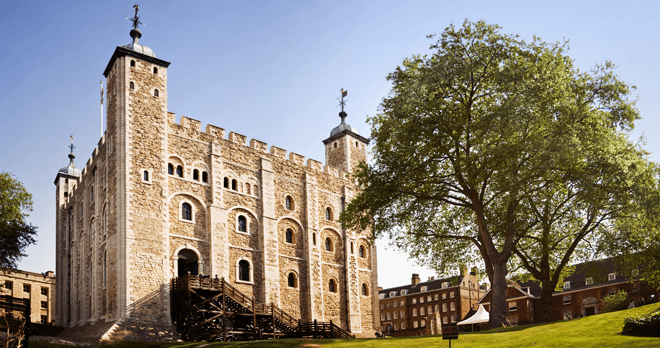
pixel 481 316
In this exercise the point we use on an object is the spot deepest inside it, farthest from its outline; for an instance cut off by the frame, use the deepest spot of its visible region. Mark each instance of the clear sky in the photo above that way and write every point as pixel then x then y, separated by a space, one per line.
pixel 269 70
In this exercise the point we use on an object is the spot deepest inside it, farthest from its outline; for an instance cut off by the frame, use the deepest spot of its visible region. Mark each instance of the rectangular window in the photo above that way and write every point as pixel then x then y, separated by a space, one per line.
pixel 567 285
pixel 435 297
pixel 424 288
pixel 44 291
pixel 382 306
pixel 396 327
pixel 396 315
pixel 444 320
pixel 512 306
pixel 451 294
pixel 567 299
pixel 428 298
pixel 389 316
pixel 635 287
pixel 415 323
pixel 611 277
pixel 403 314
pixel 9 284
pixel 414 312
pixel 453 318
pixel 44 319
pixel 389 304
pixel 445 284
pixel 381 296
pixel 414 300
pixel 26 287
pixel 421 299
pixel 568 314
pixel 403 326
pixel 44 304
pixel 382 316
pixel 401 303
pixel 395 304
pixel 392 293
pixel 444 295
pixel 421 311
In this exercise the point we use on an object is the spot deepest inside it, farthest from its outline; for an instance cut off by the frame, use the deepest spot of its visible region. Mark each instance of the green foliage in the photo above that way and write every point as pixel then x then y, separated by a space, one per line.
pixel 643 325
pixel 615 302
pixel 15 233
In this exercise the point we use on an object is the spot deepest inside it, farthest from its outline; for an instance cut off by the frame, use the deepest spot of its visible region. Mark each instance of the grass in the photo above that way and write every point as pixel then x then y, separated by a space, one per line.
pixel 594 331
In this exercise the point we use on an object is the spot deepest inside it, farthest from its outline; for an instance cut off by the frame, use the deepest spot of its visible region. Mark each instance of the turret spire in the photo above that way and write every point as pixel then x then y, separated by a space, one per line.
pixel 342 102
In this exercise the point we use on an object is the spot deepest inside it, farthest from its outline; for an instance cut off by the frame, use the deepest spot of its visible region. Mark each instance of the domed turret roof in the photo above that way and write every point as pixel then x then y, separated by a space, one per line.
pixel 135 45
pixel 70 169
pixel 343 126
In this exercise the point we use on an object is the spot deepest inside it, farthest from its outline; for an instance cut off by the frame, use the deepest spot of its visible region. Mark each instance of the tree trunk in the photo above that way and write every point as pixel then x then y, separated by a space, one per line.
pixel 498 309
pixel 544 309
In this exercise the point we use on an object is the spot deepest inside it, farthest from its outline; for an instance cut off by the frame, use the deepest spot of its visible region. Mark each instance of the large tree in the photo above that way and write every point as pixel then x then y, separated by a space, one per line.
pixel 466 136
pixel 15 233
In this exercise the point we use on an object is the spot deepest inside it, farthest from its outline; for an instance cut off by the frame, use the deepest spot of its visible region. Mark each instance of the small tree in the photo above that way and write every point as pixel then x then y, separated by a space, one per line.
pixel 15 233
pixel 615 302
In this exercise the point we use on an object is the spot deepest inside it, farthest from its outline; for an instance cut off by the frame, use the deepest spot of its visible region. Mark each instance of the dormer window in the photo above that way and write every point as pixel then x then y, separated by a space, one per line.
pixel 392 293
pixel 611 277
pixel 589 281
pixel 567 285
pixel 424 288
pixel 404 292
pixel 445 285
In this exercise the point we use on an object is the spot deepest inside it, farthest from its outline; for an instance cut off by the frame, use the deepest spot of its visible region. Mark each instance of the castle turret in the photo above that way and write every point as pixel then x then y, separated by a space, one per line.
pixel 345 148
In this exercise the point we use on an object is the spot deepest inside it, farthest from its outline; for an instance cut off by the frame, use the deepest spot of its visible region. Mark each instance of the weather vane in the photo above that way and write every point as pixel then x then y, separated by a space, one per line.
pixel 136 19
pixel 71 146
pixel 342 102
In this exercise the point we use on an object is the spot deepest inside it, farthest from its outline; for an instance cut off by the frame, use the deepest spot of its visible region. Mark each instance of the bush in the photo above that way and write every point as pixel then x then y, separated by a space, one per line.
pixel 645 325
pixel 615 302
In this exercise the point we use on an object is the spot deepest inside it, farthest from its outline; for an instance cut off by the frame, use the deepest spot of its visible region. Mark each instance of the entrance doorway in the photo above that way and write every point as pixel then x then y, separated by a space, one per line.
pixel 187 262
pixel 589 311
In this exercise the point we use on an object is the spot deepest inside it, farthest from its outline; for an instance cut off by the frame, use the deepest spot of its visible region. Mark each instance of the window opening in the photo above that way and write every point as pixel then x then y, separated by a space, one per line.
pixel 179 171
pixel 196 174
pixel 351 247
pixel 234 184
pixel 289 235
pixel 291 280
pixel 365 289
pixel 244 271
pixel 170 169
pixel 287 202
pixel 146 175
pixel 314 238
pixel 328 214
pixel 361 251
pixel 156 94
pixel 187 262
pixel 186 211
pixel 242 224
pixel 226 183
pixel 332 286
pixel 155 70
pixel 328 244
pixel 205 177
pixel 247 188
pixel 132 63
pixel 131 85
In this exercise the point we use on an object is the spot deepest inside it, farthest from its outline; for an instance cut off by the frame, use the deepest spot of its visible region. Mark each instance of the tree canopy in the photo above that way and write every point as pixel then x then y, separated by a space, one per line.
pixel 15 233
pixel 476 139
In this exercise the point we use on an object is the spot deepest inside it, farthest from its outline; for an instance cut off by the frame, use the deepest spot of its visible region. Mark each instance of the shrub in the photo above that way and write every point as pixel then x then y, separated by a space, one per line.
pixel 645 325
pixel 615 302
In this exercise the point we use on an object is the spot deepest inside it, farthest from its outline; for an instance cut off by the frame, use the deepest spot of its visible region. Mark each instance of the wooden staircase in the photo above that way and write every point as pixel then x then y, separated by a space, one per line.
pixel 212 309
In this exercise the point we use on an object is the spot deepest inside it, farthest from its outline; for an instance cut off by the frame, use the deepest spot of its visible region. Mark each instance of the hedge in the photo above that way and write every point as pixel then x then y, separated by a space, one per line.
pixel 645 325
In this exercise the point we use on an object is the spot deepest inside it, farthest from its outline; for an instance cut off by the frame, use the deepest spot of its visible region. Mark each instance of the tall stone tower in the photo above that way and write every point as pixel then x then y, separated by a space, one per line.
pixel 345 148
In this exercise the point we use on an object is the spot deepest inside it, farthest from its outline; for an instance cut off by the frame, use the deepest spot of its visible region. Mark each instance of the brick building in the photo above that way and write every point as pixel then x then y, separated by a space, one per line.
pixel 39 288
pixel 406 310
pixel 581 295
pixel 159 199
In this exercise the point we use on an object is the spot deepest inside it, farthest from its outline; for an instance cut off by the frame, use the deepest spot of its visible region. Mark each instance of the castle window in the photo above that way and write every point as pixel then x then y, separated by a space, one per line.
pixel 332 285
pixel 351 247
pixel 414 312
pixel 186 211
pixel 226 183
pixel 255 190
pixel 328 244
pixel 361 251
pixel 247 188
pixel 132 63
pixel 335 144
pixel 365 290
pixel 91 198
pixel 179 171
pixel 105 268
pixel 291 280
pixel 314 238
pixel 328 214
pixel 288 202
pixel 156 93
pixel 131 85
pixel 444 307
pixel 234 184
pixel 244 271
pixel 196 174
pixel 242 224
pixel 356 144
pixel 26 287
pixel 289 235
pixel 155 70
pixel 170 169
pixel 205 177
pixel 145 176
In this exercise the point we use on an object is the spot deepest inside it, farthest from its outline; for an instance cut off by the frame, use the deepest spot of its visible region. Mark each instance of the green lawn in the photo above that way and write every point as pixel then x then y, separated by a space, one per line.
pixel 594 331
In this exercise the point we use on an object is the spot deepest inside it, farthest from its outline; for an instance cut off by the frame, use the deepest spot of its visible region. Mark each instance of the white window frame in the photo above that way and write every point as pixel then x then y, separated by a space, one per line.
pixel 421 299
pixel 247 223
pixel 414 300
pixel 567 285
pixel 445 285
pixel 513 306
pixel 444 295
pixel 403 314
pixel 611 277
pixel 142 176
pixel 392 293
pixel 415 325
pixel 192 211
pixel 421 311
pixel 589 281
pixel 424 288
pixel 404 292
pixel 381 296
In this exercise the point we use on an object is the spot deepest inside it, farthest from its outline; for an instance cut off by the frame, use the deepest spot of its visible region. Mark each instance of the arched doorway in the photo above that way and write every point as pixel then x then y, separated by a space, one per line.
pixel 187 262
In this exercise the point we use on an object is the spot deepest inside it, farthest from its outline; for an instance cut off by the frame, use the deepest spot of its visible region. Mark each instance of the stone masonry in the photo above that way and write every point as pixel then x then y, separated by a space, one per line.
pixel 158 196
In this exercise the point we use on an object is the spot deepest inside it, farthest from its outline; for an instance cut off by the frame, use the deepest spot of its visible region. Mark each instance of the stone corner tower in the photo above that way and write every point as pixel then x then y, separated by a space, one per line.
pixel 345 148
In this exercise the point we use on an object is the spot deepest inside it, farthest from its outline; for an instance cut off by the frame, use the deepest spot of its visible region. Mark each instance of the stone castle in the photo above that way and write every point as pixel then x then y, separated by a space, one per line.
pixel 159 200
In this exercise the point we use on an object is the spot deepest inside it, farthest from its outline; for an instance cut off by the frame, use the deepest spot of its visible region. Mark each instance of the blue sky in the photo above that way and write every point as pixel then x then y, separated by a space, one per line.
pixel 270 70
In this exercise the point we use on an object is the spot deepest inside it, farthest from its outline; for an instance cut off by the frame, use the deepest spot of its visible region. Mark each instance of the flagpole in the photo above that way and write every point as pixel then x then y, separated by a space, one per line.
pixel 101 115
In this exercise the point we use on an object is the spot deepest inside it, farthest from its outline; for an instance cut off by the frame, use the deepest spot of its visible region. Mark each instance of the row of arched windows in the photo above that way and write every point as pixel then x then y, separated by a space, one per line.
pixel 171 170
pixel 235 185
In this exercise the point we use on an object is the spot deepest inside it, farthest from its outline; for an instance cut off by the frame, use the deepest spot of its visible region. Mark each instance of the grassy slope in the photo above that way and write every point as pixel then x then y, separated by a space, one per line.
pixel 594 331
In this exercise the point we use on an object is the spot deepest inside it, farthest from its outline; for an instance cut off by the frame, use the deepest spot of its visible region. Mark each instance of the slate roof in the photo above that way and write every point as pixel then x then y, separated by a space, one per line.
pixel 435 284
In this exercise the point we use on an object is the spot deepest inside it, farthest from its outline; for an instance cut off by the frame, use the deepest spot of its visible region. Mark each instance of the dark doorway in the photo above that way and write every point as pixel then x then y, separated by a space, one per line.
pixel 187 263
pixel 589 311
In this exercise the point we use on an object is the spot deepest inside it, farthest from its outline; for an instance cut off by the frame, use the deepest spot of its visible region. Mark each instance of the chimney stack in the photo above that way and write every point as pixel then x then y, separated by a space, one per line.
pixel 415 279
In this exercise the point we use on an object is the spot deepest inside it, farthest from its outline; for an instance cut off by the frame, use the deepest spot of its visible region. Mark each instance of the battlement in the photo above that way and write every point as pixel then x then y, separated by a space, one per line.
pixel 217 134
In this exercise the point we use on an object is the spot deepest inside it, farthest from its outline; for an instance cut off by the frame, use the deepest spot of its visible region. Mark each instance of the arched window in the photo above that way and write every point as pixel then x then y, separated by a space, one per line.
pixel 205 177
pixel 226 183
pixel 332 285
pixel 328 214
pixel 247 188
pixel 242 223
pixel 196 174
pixel 155 70
pixel 156 94
pixel 186 211
pixel 132 63
pixel 146 175
pixel 187 261
pixel 361 251
pixel 314 238
pixel 170 169
pixel 444 307
pixel 328 244
pixel 291 280
pixel 453 306
pixel 131 85
pixel 365 289
pixel 289 235
pixel 421 311
pixel 234 184
pixel 244 271
pixel 288 203
pixel 179 171
pixel 351 247
pixel 255 190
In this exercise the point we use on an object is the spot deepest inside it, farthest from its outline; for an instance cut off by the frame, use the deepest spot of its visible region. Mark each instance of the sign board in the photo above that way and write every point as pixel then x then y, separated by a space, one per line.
pixel 450 335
